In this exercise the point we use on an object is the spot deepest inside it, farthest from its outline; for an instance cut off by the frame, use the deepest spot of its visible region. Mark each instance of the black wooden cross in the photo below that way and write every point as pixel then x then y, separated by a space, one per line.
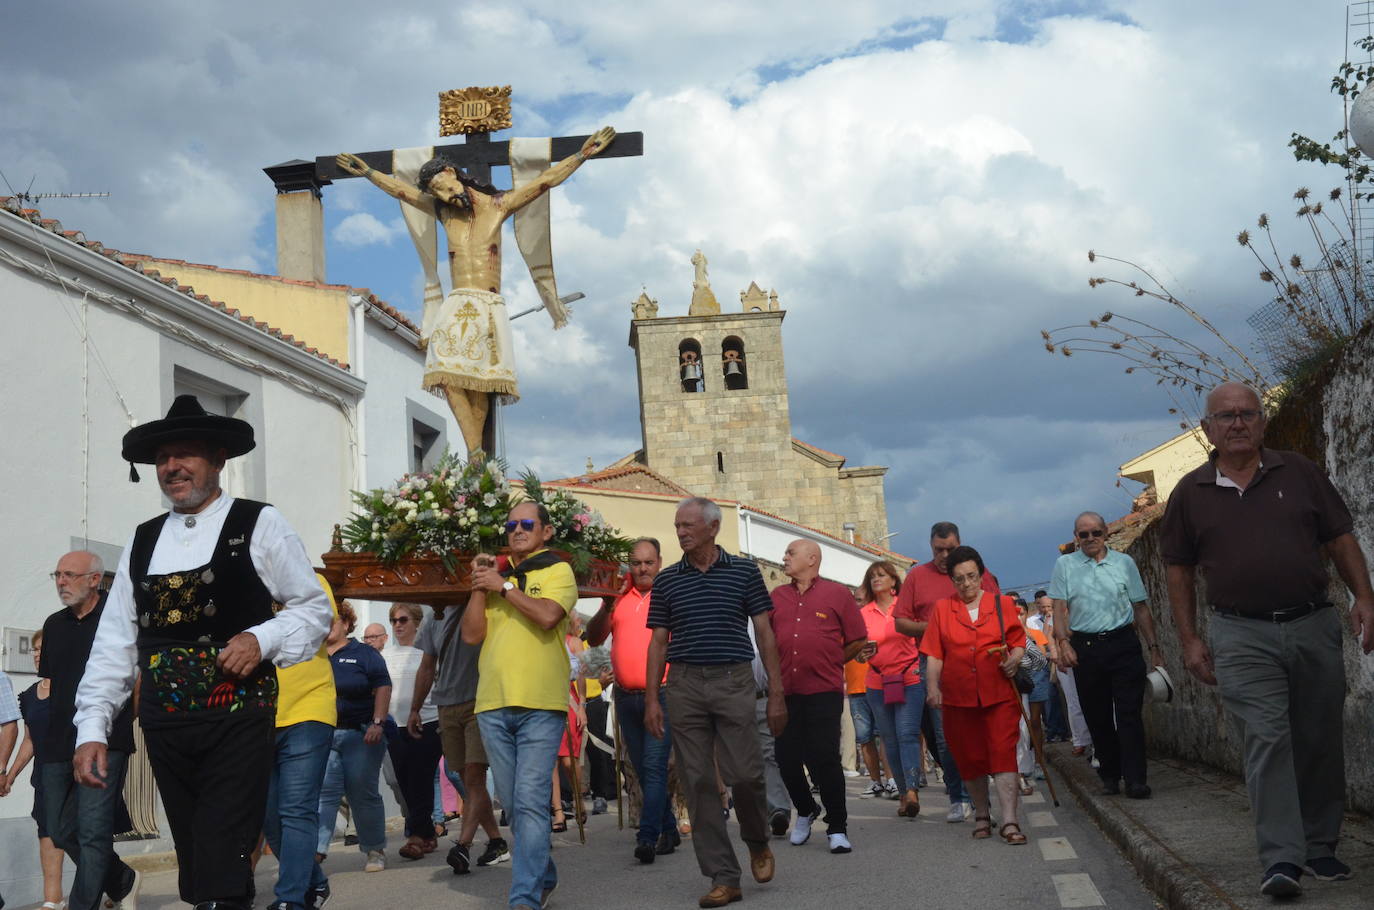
pixel 478 154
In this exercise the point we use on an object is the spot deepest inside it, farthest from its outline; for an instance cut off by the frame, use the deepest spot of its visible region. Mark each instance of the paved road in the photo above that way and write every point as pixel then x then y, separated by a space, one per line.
pixel 923 862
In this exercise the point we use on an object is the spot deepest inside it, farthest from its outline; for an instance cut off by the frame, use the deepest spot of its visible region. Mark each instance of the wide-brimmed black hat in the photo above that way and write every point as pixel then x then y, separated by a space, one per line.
pixel 186 419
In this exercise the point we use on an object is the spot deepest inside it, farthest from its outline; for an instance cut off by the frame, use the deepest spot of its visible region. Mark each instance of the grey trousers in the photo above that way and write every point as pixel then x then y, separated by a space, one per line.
pixel 778 800
pixel 1283 684
pixel 712 712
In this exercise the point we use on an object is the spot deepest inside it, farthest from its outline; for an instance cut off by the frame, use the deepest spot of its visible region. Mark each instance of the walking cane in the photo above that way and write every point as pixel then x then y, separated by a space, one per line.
pixel 619 794
pixel 577 784
pixel 1038 752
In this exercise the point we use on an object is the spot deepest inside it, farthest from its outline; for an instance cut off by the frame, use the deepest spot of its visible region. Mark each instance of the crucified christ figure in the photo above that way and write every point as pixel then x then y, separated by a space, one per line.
pixel 468 352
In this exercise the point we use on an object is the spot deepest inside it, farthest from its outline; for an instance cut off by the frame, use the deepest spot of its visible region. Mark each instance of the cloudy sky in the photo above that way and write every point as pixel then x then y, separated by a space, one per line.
pixel 920 181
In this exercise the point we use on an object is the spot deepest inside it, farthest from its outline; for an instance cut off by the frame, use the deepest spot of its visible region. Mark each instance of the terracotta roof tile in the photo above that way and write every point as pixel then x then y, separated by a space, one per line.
pixel 137 263
pixel 629 478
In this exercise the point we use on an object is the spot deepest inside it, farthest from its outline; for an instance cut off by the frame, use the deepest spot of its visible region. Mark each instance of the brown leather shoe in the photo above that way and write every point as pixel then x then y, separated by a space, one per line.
pixel 761 864
pixel 719 896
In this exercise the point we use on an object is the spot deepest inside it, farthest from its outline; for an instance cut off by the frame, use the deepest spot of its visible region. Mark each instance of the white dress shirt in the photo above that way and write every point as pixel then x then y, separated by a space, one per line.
pixel 188 542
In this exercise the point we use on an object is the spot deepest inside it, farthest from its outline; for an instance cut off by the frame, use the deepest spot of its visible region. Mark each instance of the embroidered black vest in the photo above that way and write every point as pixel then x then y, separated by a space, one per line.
pixel 185 618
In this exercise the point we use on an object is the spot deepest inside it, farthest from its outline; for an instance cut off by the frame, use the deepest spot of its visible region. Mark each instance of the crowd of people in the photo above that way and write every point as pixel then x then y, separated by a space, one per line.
pixel 263 715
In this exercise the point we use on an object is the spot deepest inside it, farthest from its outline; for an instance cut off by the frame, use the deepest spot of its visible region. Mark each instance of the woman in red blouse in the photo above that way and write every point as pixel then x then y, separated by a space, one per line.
pixel 968 673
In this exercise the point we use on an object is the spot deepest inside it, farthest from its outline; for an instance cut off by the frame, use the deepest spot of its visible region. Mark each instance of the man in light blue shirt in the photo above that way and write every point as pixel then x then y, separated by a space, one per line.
pixel 1099 601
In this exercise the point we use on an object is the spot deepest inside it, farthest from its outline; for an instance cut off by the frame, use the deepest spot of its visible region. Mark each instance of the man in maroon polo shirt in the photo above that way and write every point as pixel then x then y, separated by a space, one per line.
pixel 926 583
pixel 818 628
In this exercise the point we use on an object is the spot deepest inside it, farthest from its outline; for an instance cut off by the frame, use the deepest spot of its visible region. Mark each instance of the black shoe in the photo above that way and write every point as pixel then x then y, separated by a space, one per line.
pixel 546 895
pixel 668 841
pixel 645 853
pixel 498 851
pixel 317 897
pixel 1138 791
pixel 1281 880
pixel 779 822
pixel 350 840
pixel 459 860
pixel 1327 869
pixel 1110 788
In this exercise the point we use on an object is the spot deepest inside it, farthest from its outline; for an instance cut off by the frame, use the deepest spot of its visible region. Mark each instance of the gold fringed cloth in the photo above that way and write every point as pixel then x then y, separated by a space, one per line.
pixel 470 346
pixel 140 790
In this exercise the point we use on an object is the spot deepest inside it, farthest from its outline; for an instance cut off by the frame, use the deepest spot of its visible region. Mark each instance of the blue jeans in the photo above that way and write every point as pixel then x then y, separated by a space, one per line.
pixel 293 807
pixel 935 727
pixel 80 821
pixel 649 755
pixel 900 728
pixel 456 780
pixel 864 722
pixel 354 768
pixel 522 746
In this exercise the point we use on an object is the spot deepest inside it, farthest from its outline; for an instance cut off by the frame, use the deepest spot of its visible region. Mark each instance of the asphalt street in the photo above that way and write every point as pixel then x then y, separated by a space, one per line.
pixel 923 862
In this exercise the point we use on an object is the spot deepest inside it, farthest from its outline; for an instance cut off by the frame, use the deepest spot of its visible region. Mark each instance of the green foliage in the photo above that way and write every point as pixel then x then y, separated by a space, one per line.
pixel 1349 81
pixel 580 531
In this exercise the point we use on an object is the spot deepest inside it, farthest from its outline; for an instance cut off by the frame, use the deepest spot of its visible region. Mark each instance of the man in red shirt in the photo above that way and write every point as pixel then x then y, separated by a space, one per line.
pixel 623 619
pixel 925 584
pixel 817 626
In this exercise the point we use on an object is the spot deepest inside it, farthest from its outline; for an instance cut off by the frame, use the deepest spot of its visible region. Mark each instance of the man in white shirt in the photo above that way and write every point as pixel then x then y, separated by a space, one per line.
pixel 207 601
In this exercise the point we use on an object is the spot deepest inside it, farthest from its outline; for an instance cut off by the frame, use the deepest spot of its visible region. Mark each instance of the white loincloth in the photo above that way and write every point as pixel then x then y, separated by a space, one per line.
pixel 470 346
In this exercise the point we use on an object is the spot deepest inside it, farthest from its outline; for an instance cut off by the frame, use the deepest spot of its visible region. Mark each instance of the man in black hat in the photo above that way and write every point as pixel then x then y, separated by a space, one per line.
pixel 207 599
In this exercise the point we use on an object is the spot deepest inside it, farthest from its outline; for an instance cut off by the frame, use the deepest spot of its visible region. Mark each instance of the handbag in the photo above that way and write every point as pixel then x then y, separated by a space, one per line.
pixel 894 685
pixel 1025 682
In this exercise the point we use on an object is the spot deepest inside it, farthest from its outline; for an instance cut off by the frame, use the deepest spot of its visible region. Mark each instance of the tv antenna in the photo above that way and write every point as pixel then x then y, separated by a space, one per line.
pixel 31 197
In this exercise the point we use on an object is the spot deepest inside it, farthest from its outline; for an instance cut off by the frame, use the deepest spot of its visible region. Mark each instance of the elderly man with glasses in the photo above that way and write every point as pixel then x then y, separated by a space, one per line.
pixel 1100 617
pixel 1260 522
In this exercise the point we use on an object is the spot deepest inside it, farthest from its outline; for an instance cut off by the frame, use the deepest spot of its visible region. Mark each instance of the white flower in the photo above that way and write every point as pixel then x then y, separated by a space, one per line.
pixel 472 514
pixel 376 535
pixel 429 495
pixel 388 499
pixel 410 517
pixel 489 500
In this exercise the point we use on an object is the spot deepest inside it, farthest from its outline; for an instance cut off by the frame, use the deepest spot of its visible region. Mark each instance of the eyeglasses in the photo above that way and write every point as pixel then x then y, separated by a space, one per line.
pixel 69 576
pixel 965 579
pixel 374 636
pixel 1095 532
pixel 399 620
pixel 1229 417
pixel 524 523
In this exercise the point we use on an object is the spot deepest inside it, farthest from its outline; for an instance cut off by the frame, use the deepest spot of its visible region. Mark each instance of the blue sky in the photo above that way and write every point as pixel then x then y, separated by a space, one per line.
pixel 919 181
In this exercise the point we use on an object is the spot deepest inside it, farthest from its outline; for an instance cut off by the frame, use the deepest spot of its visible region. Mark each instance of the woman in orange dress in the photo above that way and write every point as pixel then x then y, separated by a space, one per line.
pixel 969 674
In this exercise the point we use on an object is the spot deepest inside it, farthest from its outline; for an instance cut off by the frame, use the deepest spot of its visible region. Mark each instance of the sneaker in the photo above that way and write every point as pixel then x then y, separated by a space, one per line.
pixel 801 828
pixel 959 811
pixel 778 821
pixel 668 841
pixel 546 895
pixel 890 789
pixel 130 900
pixel 645 853
pixel 1281 880
pixel 598 806
pixel 498 851
pixel 459 859
pixel 376 861
pixel 921 782
pixel 872 790
pixel 1327 869
pixel 851 773
pixel 839 843
pixel 317 897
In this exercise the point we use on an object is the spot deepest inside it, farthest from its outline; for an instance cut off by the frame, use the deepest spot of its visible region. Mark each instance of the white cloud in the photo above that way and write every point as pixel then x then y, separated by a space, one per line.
pixel 364 229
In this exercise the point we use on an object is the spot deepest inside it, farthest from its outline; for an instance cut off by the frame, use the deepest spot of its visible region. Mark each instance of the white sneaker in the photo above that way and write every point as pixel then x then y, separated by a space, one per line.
pixel 872 790
pixel 890 788
pixel 801 828
pixel 376 861
pixel 851 774
pixel 839 843
pixel 130 900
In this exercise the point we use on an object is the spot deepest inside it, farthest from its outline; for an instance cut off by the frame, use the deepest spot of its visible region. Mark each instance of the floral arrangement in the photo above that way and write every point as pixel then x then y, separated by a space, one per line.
pixel 461 506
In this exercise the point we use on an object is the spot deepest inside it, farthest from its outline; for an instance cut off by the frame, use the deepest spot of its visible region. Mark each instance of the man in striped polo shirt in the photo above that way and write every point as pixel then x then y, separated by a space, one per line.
pixel 700 610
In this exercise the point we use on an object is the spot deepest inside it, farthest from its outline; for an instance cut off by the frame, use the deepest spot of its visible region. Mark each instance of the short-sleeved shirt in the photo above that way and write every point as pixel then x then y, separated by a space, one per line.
pixel 455 666
pixel 896 652
pixel 855 677
pixel 67 641
pixel 1260 549
pixel 971 676
pixel 811 629
pixel 403 665
pixel 1099 594
pixel 924 585
pixel 630 637
pixel 707 613
pixel 358 672
pixel 522 665
pixel 305 691
pixel 9 705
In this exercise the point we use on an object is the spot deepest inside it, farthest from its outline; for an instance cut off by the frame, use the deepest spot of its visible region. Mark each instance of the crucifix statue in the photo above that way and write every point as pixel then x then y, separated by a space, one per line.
pixel 467 339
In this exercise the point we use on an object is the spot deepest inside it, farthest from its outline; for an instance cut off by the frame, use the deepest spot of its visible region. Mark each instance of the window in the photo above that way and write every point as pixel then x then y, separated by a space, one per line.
pixel 720 462
pixel 689 366
pixel 732 364
pixel 424 445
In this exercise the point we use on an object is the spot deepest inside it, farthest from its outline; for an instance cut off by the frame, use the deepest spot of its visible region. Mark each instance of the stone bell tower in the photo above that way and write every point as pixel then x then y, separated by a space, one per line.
pixel 713 392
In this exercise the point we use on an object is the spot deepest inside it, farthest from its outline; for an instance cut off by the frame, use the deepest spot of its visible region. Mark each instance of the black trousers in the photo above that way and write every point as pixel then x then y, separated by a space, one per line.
pixel 601 766
pixel 213 776
pixel 1111 689
pixel 414 761
pixel 812 739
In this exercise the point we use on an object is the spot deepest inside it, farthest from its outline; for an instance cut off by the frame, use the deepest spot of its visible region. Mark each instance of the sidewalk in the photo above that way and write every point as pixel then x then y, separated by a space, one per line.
pixel 1193 842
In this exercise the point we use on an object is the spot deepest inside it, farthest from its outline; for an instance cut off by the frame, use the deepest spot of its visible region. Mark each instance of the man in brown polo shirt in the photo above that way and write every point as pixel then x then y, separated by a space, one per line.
pixel 1257 522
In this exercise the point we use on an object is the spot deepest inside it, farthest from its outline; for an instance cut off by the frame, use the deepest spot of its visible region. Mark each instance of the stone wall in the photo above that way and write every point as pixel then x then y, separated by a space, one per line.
pixel 1330 420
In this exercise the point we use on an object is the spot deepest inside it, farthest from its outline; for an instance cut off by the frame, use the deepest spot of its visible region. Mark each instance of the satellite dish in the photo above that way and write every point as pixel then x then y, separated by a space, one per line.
pixel 1362 122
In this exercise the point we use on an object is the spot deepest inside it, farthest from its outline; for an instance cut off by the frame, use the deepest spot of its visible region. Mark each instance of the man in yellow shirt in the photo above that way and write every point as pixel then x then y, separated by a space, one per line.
pixel 518 612
pixel 306 714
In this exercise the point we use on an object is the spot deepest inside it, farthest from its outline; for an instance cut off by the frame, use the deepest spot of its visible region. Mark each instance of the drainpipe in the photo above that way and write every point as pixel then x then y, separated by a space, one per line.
pixel 359 305
pixel 748 533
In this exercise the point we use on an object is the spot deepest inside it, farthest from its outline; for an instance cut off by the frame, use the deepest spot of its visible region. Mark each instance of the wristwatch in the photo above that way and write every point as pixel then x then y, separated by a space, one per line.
pixel 508 586
pixel 376 722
